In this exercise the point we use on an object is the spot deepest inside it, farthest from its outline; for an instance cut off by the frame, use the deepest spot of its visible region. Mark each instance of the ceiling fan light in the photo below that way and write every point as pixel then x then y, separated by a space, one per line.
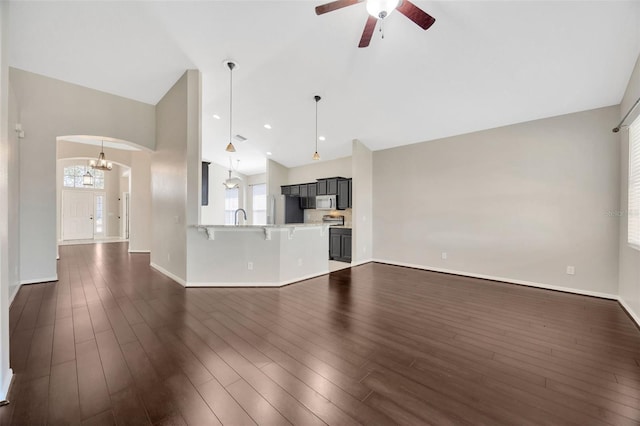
pixel 231 148
pixel 380 9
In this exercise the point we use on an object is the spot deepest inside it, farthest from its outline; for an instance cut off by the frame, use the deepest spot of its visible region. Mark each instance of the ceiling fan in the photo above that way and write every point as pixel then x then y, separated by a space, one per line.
pixel 378 10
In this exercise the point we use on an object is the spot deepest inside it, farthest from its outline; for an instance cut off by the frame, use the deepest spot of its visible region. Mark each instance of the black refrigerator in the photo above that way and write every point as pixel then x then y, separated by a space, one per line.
pixel 293 213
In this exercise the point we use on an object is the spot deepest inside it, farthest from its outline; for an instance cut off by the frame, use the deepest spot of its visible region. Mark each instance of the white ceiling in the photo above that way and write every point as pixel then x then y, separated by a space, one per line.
pixel 482 65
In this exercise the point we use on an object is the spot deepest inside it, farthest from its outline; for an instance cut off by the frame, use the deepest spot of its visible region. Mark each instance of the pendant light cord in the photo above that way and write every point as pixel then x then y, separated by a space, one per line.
pixel 230 100
pixel 317 124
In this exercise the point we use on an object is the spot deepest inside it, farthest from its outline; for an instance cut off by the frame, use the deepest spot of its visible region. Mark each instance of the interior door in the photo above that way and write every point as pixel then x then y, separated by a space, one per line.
pixel 77 215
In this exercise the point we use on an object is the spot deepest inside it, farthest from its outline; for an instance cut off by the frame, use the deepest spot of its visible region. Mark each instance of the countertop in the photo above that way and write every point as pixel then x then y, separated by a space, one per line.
pixel 287 225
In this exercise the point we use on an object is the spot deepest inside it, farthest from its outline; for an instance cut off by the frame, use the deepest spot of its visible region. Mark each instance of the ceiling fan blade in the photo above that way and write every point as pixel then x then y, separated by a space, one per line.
pixel 417 15
pixel 335 5
pixel 369 27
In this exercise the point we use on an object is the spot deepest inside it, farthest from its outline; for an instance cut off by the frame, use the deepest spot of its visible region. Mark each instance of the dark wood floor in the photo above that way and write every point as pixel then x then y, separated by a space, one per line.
pixel 116 342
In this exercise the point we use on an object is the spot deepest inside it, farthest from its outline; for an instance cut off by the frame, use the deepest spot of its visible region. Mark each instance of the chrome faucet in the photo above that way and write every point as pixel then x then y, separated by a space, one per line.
pixel 235 216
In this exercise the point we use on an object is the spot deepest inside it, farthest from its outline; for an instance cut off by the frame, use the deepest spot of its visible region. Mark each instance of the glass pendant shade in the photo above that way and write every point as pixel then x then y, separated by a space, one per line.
pixel 232 183
pixel 380 9
pixel 87 179
pixel 316 156
pixel 231 148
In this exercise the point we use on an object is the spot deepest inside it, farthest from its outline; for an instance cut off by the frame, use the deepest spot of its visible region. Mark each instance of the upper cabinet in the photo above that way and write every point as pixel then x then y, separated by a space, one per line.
pixel 340 187
pixel 344 194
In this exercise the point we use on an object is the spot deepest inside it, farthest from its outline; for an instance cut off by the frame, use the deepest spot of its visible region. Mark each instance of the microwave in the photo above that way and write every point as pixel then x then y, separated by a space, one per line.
pixel 326 202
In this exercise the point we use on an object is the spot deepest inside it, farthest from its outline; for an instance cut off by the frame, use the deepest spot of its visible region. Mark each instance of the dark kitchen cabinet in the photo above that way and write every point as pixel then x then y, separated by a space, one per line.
pixel 344 194
pixel 285 190
pixel 350 193
pixel 321 187
pixel 332 186
pixel 328 186
pixel 308 196
pixel 340 244
pixel 345 246
pixel 205 183
pixel 295 189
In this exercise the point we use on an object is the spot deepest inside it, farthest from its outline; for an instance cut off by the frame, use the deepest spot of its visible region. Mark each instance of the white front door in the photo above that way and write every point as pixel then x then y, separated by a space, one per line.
pixel 77 215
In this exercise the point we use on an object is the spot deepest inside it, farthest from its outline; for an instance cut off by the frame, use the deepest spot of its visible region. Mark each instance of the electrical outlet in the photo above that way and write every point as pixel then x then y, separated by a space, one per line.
pixel 444 255
pixel 364 249
pixel 299 262
pixel 250 266
pixel 168 257
pixel 571 270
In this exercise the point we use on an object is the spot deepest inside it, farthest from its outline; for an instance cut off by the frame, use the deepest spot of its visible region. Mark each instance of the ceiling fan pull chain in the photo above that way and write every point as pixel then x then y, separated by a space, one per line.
pixel 382 28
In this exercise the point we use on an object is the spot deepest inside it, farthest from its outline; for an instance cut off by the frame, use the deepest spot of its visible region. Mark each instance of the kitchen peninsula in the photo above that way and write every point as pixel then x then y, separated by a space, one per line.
pixel 256 255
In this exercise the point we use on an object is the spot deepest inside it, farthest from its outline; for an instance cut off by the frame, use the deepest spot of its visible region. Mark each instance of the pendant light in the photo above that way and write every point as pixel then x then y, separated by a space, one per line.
pixel 232 182
pixel 231 65
pixel 87 179
pixel 316 156
pixel 101 163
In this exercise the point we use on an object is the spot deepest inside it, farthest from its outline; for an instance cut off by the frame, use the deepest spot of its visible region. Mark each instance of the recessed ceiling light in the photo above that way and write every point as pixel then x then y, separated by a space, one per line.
pixel 216 116
pixel 267 126
pixel 322 138
pixel 269 153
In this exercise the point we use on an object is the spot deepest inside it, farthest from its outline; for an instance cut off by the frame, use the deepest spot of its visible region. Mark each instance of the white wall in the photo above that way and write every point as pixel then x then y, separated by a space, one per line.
pixel 140 213
pixel 518 203
pixel 287 255
pixel 5 371
pixel 321 169
pixel 277 175
pixel 362 199
pixel 13 199
pixel 175 171
pixel 629 284
pixel 49 108
pixel 124 188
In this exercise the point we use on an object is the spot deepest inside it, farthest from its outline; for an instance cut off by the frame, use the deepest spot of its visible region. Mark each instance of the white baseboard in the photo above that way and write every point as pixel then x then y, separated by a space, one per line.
pixel 168 274
pixel 502 279
pixel 40 280
pixel 627 308
pixel 256 284
pixel 12 296
pixel 6 384
pixel 139 251
pixel 361 262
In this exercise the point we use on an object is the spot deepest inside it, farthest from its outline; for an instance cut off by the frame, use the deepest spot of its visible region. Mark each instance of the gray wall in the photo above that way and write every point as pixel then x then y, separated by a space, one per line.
pixel 175 171
pixel 362 198
pixel 320 169
pixel 49 108
pixel 629 285
pixel 517 203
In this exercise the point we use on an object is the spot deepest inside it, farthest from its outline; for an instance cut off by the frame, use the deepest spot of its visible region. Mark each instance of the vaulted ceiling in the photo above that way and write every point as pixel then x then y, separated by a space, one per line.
pixel 483 64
